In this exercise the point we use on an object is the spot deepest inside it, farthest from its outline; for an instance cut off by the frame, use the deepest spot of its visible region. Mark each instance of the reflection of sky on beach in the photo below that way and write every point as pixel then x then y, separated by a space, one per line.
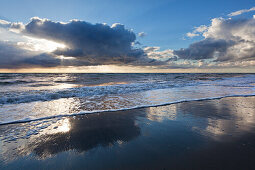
pixel 46 138
pixel 161 113
pixel 230 118
pixel 174 125
pixel 241 119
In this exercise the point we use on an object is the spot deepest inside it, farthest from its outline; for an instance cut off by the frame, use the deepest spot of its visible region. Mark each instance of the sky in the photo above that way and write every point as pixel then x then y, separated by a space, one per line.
pixel 127 36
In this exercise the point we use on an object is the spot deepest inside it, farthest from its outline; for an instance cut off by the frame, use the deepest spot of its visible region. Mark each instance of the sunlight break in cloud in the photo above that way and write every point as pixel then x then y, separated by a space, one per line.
pixel 40 45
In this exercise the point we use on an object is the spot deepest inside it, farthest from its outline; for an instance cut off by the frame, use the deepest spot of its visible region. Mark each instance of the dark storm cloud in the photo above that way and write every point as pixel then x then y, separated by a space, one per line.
pixel 12 56
pixel 205 49
pixel 88 45
pixel 43 60
pixel 95 43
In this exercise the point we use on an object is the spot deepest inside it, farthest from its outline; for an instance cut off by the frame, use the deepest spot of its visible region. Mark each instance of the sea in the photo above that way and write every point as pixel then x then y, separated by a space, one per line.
pixel 30 97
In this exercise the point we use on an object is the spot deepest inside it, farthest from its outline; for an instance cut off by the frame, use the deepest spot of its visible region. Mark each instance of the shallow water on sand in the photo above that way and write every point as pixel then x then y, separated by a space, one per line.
pixel 207 134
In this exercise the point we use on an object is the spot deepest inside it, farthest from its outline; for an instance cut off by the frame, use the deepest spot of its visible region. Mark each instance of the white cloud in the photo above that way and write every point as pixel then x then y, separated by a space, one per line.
pixel 155 53
pixel 17 27
pixel 201 28
pixel 197 31
pixel 142 34
pixel 4 22
pixel 191 35
pixel 227 42
pixel 241 12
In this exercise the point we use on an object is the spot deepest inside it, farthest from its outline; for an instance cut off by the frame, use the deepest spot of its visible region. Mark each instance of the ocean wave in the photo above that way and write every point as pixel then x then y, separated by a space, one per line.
pixel 109 92
pixel 14 82
pixel 32 96
pixel 16 97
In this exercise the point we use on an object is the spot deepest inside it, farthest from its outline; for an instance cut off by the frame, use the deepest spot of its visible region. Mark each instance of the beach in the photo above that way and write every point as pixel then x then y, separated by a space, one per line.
pixel 203 134
pixel 127 85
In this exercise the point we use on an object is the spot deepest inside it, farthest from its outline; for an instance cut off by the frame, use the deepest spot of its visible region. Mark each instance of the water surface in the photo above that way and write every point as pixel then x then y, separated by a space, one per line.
pixel 25 97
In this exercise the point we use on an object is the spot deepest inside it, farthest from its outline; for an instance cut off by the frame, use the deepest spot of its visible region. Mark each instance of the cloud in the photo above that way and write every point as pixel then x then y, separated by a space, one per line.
pixel 87 44
pixel 227 41
pixel 142 34
pixel 197 31
pixel 17 27
pixel 191 35
pixel 93 43
pixel 205 49
pixel 45 43
pixel 241 12
pixel 155 53
pixel 12 56
pixel 4 22
pixel 201 28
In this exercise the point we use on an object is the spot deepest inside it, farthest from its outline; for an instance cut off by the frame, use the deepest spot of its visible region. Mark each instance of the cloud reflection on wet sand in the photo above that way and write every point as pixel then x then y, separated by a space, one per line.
pixel 174 133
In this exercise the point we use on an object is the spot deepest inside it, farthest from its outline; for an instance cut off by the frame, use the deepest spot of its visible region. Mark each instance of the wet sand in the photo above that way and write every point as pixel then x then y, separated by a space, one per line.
pixel 209 134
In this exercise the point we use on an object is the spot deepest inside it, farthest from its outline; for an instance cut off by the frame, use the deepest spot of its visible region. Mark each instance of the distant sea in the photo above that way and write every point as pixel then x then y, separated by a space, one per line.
pixel 28 97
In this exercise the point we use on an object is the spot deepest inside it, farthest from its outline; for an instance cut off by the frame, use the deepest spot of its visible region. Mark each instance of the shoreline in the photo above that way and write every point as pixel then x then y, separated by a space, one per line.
pixel 123 109
pixel 197 134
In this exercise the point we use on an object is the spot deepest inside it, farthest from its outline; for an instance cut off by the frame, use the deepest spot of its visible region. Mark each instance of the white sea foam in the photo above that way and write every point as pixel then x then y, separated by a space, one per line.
pixel 121 109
